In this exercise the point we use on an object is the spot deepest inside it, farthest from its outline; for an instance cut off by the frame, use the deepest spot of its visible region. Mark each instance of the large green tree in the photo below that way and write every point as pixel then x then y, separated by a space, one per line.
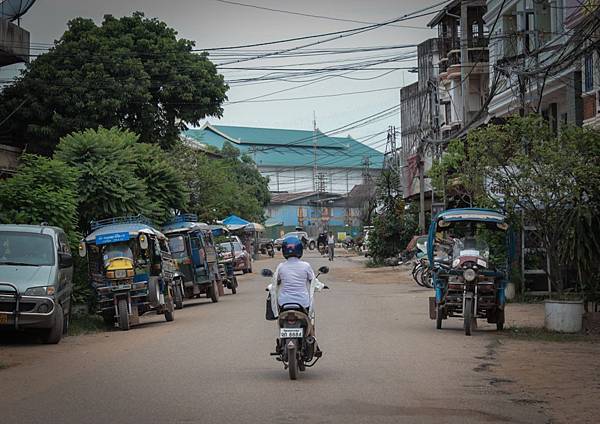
pixel 131 72
pixel 119 176
pixel 42 190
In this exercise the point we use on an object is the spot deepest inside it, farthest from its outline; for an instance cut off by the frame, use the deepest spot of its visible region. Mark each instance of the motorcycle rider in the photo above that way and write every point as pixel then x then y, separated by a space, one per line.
pixel 294 279
pixel 294 276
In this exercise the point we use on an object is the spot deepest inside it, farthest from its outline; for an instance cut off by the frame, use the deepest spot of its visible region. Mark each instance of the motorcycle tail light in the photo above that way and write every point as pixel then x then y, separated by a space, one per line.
pixel 291 321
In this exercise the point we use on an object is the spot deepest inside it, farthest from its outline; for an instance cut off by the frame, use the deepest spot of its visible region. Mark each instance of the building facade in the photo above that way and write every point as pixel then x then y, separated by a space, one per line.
pixel 297 161
pixel 531 53
pixel 580 18
pixel 14 49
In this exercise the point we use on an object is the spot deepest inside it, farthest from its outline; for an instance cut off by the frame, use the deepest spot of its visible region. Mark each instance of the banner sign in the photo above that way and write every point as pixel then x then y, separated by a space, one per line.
pixel 112 238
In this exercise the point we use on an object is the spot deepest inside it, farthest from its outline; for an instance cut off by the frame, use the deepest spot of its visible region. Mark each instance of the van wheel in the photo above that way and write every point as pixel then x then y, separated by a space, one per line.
pixel 54 334
pixel 123 314
pixel 311 245
pixel 67 321
pixel 213 292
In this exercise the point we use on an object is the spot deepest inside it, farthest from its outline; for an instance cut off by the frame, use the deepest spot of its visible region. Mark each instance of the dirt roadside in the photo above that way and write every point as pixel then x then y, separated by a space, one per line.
pixel 561 378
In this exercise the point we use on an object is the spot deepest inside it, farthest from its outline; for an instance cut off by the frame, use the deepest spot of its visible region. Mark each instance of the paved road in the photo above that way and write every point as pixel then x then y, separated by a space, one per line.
pixel 384 363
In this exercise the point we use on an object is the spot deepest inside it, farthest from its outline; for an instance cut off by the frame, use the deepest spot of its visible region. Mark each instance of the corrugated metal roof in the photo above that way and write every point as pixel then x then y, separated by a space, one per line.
pixel 282 147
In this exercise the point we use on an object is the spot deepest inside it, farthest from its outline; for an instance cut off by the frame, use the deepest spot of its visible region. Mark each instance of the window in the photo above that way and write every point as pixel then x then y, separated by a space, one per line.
pixel 588 81
pixel 448 112
pixel 26 249
pixel 177 244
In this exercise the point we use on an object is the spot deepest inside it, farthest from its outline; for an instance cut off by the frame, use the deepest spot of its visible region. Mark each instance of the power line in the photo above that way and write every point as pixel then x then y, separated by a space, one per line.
pixel 311 15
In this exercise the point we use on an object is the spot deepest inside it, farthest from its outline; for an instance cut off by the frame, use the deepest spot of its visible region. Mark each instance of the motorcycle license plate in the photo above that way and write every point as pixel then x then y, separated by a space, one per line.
pixel 291 333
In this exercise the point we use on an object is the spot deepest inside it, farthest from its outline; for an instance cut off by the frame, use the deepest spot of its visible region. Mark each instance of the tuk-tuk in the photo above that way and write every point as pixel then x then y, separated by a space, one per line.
pixel 194 251
pixel 130 269
pixel 468 281
pixel 225 250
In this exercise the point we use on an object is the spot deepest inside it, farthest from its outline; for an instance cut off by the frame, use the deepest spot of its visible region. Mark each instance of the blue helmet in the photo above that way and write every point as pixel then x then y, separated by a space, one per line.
pixel 292 246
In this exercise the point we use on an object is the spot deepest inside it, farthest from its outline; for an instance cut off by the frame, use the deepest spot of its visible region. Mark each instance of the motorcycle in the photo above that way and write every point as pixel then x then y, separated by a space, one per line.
pixel 296 346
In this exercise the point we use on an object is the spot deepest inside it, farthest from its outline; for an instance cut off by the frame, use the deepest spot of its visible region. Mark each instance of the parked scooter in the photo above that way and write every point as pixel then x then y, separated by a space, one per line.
pixel 296 346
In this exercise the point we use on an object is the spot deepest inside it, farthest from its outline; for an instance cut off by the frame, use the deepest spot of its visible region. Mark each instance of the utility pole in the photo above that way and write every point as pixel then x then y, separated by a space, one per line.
pixel 464 59
pixel 421 192
pixel 314 151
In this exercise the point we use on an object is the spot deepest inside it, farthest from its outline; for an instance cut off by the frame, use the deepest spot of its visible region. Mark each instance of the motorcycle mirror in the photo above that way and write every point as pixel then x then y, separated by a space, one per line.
pixel 266 272
pixel 324 269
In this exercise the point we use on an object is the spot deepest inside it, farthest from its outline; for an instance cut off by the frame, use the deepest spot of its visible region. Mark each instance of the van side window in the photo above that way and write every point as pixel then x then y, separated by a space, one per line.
pixel 63 244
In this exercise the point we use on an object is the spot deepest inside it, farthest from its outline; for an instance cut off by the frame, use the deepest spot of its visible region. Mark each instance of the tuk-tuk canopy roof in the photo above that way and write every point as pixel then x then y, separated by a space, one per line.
pixel 471 214
pixel 185 222
pixel 119 231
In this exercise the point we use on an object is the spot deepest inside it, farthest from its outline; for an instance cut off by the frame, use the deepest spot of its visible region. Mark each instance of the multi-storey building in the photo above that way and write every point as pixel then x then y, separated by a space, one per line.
pixel 449 96
pixel 585 17
pixel 531 52
pixel 463 64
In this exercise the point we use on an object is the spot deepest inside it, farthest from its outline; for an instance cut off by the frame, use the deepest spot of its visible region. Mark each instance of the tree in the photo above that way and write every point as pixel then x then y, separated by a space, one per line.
pixel 42 190
pixel 131 72
pixel 553 179
pixel 393 224
pixel 119 176
pixel 164 185
pixel 220 187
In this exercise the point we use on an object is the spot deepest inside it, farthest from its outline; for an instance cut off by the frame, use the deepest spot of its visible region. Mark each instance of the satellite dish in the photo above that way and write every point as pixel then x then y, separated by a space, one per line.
pixel 14 9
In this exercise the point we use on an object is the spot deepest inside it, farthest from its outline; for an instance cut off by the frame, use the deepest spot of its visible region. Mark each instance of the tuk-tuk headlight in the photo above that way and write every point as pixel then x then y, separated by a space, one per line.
pixel 121 273
pixel 40 291
pixel 469 274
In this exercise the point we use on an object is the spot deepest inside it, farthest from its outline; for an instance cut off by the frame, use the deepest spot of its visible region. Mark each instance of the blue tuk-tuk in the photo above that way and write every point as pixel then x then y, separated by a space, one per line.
pixel 468 281
pixel 195 253
pixel 130 269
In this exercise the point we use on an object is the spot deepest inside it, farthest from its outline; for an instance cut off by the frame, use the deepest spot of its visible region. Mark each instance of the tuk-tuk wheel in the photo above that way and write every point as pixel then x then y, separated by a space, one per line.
pixel 468 316
pixel 109 319
pixel 123 314
pixel 439 316
pixel 178 295
pixel 234 285
pixel 169 310
pixel 213 292
pixel 500 319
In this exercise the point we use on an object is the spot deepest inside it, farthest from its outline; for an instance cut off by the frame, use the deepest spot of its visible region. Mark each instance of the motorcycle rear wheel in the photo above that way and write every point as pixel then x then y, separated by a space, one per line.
pixel 292 362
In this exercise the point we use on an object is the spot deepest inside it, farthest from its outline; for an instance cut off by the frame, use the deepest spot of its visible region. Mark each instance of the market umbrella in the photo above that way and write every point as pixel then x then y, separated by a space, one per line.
pixel 254 227
pixel 234 222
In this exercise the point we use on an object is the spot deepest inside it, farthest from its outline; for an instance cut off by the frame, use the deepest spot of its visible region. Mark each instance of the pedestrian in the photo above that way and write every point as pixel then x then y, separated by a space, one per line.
pixel 330 245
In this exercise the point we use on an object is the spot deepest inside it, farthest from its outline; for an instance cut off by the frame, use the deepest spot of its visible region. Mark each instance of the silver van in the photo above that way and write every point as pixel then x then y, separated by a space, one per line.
pixel 36 280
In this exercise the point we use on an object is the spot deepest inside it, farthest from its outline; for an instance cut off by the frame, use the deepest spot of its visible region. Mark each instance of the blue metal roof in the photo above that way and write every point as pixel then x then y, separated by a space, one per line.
pixel 284 147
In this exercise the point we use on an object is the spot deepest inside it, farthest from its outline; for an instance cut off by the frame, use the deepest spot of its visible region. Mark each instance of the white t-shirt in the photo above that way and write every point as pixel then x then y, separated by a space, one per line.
pixel 330 240
pixel 295 276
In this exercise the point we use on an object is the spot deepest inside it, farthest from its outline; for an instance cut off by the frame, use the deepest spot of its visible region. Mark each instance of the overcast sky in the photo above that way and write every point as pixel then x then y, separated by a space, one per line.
pixel 211 23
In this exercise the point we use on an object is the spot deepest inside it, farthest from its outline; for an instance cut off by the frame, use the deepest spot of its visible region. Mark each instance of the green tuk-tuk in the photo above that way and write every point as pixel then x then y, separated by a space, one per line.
pixel 193 248
pixel 130 270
